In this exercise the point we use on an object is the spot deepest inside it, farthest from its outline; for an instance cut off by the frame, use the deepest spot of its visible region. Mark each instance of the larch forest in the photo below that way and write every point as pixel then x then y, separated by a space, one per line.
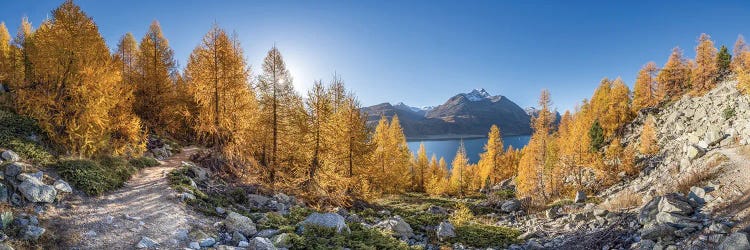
pixel 280 169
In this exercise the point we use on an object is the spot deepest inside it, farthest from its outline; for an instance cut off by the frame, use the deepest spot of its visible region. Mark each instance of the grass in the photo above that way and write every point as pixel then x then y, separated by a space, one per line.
pixel 15 134
pixel 484 236
pixel 96 177
pixel 626 199
pixel 699 177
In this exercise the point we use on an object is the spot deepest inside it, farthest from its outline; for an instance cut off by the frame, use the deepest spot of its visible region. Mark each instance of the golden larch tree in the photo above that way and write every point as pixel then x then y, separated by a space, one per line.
pixel 648 144
pixel 674 78
pixel 218 78
pixel 644 91
pixel 706 72
pixel 157 67
pixel 491 166
pixel 70 88
pixel 459 177
pixel 534 161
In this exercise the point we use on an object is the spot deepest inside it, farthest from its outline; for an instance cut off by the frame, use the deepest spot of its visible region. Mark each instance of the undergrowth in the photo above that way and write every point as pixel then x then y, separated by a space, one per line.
pixel 96 177
pixel 24 136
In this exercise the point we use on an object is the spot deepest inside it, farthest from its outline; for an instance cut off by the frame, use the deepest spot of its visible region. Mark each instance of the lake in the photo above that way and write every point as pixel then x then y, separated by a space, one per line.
pixel 475 146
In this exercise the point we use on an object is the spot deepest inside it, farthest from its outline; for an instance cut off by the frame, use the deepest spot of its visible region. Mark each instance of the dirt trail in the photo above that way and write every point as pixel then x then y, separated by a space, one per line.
pixel 736 185
pixel 145 206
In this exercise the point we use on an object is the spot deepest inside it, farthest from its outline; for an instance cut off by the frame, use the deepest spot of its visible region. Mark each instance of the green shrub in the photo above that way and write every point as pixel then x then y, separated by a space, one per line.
pixel 316 237
pixel 729 113
pixel 483 236
pixel 238 195
pixel 96 178
pixel 144 162
pixel 274 220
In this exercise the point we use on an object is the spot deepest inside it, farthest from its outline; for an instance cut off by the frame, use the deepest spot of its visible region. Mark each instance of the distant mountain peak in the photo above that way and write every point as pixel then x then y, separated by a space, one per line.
pixel 481 94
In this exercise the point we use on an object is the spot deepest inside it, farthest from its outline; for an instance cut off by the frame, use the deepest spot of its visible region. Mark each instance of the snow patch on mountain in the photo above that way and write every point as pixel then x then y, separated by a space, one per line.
pixel 477 95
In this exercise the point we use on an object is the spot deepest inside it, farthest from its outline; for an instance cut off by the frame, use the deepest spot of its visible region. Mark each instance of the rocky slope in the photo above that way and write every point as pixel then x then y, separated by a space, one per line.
pixel 465 114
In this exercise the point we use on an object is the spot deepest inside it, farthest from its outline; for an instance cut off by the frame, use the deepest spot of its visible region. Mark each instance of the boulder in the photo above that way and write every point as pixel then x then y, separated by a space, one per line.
pixel 146 242
pixel 194 245
pixel 657 231
pixel 62 186
pixel 397 226
pixel 445 231
pixel 511 205
pixel 329 220
pixel 9 155
pixel 36 191
pixel 257 200
pixel 649 211
pixel 735 241
pixel 580 197
pixel 186 196
pixel 676 220
pixel 675 203
pixel 33 232
pixel 714 136
pixel 237 237
pixel 267 233
pixel 199 173
pixel 240 223
pixel 260 243
pixel 3 193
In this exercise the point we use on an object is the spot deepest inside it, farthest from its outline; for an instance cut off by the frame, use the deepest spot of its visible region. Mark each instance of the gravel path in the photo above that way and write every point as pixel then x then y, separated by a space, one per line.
pixel 145 206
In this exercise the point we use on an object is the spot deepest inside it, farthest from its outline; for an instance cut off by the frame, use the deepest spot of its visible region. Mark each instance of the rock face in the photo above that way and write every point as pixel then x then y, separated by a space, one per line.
pixel 445 231
pixel 35 191
pixel 329 220
pixel 397 226
pixel 238 223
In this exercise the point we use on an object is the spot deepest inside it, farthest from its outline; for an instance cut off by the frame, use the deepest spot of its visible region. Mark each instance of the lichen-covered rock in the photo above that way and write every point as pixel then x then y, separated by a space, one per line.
pixel 511 205
pixel 62 186
pixel 35 191
pixel 240 223
pixel 735 241
pixel 445 231
pixel 329 220
pixel 397 226
pixel 9 155
pixel 260 243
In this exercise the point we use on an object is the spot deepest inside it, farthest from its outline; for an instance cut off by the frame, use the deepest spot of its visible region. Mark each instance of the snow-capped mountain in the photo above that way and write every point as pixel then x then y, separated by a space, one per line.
pixel 471 113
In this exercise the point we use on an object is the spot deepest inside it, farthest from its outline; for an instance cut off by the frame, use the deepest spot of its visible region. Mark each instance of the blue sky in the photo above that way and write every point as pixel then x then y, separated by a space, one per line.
pixel 423 52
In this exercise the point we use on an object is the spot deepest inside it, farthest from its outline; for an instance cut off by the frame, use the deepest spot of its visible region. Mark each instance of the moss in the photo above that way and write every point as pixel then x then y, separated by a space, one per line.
pixel 483 236
pixel 144 162
pixel 273 220
pixel 96 178
pixel 560 203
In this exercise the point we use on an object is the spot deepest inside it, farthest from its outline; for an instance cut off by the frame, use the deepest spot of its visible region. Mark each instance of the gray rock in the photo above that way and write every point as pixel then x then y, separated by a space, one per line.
pixel 644 245
pixel 580 197
pixel 186 196
pixel 267 233
pixel 735 241
pixel 282 240
pixel 146 242
pixel 649 211
pixel 260 243
pixel 675 203
pixel 528 235
pixel 220 210
pixel 194 245
pixel 511 205
pixel 718 228
pixel 656 231
pixel 36 191
pixel 39 175
pixel 9 155
pixel 207 242
pixel 16 168
pixel 237 237
pixel 258 200
pixel 437 210
pixel 445 231
pixel 676 220
pixel 4 246
pixel 240 223
pixel 600 212
pixel 329 220
pixel 200 174
pixel 243 243
pixel 397 226
pixel 33 232
pixel 62 186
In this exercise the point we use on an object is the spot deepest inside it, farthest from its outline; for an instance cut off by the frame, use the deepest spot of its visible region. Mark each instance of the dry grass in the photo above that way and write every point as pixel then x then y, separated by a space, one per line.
pixel 745 150
pixel 698 177
pixel 626 199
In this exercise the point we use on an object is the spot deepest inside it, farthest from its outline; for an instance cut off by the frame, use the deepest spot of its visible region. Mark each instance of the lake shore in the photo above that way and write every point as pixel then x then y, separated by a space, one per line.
pixel 450 137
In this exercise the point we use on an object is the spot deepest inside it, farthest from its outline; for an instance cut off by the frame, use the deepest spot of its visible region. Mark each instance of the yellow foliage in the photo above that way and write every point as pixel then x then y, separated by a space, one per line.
pixel 648 145
pixel 644 91
pixel 706 72
pixel 674 78
pixel 461 215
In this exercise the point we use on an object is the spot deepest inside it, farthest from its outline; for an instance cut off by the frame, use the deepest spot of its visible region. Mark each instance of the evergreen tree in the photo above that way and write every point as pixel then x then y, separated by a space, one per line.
pixel 723 62
pixel 596 135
